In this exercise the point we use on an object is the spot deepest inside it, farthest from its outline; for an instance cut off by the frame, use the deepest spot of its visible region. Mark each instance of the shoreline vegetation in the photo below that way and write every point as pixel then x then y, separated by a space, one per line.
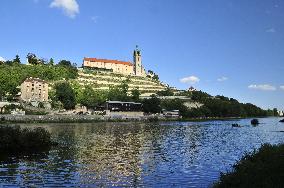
pixel 8 119
pixel 67 91
pixel 262 168
pixel 18 141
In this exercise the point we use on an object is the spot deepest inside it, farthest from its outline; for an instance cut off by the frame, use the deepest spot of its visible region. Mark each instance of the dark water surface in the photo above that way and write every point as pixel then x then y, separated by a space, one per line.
pixel 166 154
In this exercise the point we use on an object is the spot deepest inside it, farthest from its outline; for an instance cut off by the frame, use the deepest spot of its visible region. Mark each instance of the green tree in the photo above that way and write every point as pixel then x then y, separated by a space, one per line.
pixel 32 59
pixel 167 92
pixel 275 112
pixel 135 94
pixel 17 60
pixel 119 93
pixel 65 63
pixel 73 71
pixel 152 105
pixel 156 77
pixel 65 94
pixel 51 62
pixel 91 98
pixel 175 104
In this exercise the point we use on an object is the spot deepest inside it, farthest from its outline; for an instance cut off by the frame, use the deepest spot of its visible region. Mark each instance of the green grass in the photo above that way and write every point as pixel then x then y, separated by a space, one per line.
pixel 263 168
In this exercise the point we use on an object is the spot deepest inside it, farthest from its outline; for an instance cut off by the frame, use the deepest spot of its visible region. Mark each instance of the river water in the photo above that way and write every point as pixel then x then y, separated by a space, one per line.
pixel 164 154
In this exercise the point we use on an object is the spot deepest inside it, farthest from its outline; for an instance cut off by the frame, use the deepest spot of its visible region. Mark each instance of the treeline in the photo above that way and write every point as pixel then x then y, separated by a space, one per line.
pixel 13 73
pixel 218 106
pixel 67 94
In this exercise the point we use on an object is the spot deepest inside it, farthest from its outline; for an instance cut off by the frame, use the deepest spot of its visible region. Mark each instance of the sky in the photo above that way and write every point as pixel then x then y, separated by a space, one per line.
pixel 233 48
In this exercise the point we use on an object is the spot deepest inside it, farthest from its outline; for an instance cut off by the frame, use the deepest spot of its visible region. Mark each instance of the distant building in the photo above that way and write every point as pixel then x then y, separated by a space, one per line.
pixel 116 66
pixel 171 113
pixel 118 106
pixel 191 89
pixel 34 89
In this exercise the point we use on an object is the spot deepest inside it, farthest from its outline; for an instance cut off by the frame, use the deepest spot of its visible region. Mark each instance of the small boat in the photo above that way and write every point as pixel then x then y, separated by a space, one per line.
pixel 282 121
pixel 235 125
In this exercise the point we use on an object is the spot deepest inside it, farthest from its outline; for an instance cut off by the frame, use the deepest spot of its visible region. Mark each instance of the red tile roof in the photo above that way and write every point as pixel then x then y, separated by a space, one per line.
pixel 108 61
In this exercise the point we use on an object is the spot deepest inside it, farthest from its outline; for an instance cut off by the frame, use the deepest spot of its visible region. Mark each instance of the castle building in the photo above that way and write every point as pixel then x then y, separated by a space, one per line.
pixel 116 66
pixel 34 89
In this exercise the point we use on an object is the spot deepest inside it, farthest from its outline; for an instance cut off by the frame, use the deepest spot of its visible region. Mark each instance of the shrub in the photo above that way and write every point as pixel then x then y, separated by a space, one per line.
pixel 15 140
pixel 259 169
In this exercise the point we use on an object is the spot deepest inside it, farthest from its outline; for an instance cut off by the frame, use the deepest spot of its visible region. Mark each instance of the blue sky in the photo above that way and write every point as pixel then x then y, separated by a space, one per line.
pixel 228 47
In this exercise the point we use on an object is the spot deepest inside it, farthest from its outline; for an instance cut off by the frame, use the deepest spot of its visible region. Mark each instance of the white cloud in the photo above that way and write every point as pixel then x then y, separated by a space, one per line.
pixel 95 19
pixel 222 79
pixel 282 88
pixel 271 30
pixel 263 87
pixel 2 59
pixel 190 80
pixel 70 7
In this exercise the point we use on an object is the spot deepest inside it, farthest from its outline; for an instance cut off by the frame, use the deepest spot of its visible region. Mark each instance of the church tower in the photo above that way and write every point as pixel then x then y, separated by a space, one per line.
pixel 138 69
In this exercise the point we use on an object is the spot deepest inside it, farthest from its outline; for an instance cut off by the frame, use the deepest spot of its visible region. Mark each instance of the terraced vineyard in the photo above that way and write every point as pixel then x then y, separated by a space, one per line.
pixel 104 80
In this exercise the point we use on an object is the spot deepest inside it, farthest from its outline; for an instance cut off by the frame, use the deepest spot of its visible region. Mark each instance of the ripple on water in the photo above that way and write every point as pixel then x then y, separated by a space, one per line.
pixel 166 154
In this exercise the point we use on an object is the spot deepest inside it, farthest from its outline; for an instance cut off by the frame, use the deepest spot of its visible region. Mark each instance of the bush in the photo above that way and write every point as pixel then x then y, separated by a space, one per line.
pixel 14 140
pixel 259 169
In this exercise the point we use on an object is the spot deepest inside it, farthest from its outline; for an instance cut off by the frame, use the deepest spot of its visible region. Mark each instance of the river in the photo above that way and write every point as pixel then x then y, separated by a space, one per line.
pixel 163 154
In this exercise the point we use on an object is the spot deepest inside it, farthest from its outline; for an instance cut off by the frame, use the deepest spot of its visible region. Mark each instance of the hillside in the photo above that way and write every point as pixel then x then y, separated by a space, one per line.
pixel 105 80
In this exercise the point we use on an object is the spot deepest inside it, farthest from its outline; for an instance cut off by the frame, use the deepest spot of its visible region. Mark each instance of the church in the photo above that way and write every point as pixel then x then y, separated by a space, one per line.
pixel 121 67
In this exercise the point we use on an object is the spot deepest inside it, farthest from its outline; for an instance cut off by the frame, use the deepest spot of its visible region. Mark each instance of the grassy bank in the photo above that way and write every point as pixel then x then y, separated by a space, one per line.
pixel 17 141
pixel 263 168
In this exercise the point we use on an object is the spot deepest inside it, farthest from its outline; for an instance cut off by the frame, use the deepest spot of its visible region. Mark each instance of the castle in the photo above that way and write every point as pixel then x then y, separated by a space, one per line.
pixel 122 67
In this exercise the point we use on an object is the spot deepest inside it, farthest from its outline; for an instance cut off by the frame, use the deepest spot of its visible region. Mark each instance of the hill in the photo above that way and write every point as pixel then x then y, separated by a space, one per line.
pixel 106 80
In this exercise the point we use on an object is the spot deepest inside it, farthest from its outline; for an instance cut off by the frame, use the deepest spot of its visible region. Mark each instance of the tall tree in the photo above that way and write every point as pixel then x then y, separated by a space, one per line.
pixel 152 105
pixel 51 62
pixel 91 98
pixel 17 60
pixel 65 94
pixel 135 94
pixel 32 59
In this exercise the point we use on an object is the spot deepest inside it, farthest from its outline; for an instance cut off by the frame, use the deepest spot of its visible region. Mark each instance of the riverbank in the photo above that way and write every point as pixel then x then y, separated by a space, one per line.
pixel 4 119
pixel 263 168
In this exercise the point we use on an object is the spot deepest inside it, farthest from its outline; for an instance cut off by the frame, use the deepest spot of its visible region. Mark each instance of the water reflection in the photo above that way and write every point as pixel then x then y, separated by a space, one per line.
pixel 137 154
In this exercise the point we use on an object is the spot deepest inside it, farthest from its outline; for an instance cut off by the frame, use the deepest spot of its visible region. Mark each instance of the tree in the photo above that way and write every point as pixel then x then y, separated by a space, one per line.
pixel 156 77
pixel 17 60
pixel 91 98
pixel 65 94
pixel 150 72
pixel 152 105
pixel 166 92
pixel 135 94
pixel 73 71
pixel 51 62
pixel 175 104
pixel 65 63
pixel 119 93
pixel 275 112
pixel 32 59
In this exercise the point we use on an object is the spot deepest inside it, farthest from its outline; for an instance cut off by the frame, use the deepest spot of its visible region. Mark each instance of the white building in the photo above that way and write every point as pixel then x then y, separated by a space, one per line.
pixel 116 66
